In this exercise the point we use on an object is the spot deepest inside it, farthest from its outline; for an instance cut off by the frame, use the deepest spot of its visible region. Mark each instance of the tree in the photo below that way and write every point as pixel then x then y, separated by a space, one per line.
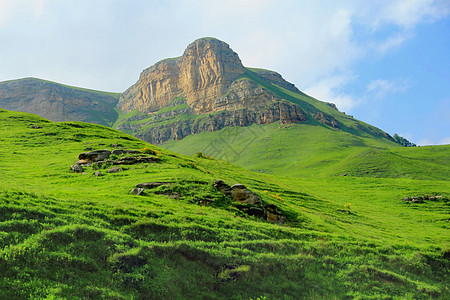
pixel 402 141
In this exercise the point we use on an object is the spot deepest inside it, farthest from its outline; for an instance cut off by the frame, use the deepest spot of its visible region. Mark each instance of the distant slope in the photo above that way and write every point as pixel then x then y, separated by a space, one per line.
pixel 78 235
pixel 58 102
pixel 305 150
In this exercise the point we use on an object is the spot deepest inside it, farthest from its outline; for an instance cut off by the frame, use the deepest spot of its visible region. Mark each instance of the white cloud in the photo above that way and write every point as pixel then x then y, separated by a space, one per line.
pixel 39 7
pixel 425 142
pixel 409 13
pixel 380 88
pixel 391 43
pixel 329 90
pixel 9 9
pixel 445 141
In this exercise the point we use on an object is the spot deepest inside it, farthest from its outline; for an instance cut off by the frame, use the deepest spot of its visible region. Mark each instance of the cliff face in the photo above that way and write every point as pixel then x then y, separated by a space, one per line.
pixel 57 102
pixel 201 76
pixel 211 81
pixel 161 131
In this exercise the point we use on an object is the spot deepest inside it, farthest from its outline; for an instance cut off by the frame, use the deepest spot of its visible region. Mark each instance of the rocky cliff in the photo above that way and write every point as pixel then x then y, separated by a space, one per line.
pixel 215 89
pixel 58 102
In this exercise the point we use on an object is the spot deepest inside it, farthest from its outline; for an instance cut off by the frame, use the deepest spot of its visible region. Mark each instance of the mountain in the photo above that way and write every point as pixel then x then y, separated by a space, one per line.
pixel 208 88
pixel 58 102
pixel 88 212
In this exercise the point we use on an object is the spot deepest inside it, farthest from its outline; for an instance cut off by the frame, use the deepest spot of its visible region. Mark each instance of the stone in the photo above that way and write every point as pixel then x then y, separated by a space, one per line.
pixel 406 199
pixel 241 194
pixel 115 170
pixel 98 173
pixel 252 204
pixel 94 156
pixel 274 214
pixel 35 127
pixel 77 168
pixel 127 160
pixel 137 191
pixel 125 151
pixel 151 185
pixel 416 200
pixel 222 187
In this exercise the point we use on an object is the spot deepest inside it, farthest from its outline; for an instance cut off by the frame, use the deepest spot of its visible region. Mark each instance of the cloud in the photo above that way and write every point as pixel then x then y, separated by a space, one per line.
pixel 409 13
pixel 9 9
pixel 308 42
pixel 329 90
pixel 445 141
pixel 391 43
pixel 425 142
pixel 380 88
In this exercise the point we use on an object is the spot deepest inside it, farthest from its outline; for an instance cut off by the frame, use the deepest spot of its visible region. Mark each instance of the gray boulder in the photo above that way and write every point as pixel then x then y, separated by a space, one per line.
pixel 115 170
pixel 125 151
pixel 93 156
pixel 151 185
pixel 137 191
pixel 76 168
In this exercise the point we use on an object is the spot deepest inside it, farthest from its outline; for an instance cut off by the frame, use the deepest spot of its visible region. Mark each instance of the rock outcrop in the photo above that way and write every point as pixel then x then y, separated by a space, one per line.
pixel 200 76
pixel 210 86
pixel 326 119
pixel 58 102
pixel 282 111
pixel 251 203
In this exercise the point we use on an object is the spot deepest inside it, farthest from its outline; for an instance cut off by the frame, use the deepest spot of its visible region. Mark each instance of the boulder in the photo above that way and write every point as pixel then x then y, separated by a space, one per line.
pixel 125 151
pixel 274 214
pixel 93 156
pixel 222 187
pixel 252 204
pixel 241 194
pixel 137 191
pixel 98 173
pixel 76 168
pixel 115 170
pixel 127 160
pixel 151 185
pixel 416 200
pixel 35 127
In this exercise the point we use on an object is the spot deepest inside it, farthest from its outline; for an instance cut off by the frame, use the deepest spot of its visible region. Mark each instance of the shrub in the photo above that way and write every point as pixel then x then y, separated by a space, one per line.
pixel 150 151
pixel 201 155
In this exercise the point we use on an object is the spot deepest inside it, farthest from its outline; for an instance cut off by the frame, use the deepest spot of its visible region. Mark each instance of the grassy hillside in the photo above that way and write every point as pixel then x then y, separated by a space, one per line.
pixel 77 235
pixel 304 150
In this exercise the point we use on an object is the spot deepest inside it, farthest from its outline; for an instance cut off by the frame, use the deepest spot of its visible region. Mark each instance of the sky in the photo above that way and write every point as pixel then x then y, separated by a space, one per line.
pixel 385 62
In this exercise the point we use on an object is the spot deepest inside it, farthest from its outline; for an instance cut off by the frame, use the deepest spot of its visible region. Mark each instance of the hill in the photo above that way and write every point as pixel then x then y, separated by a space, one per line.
pixel 67 234
pixel 208 89
pixel 305 151
pixel 58 102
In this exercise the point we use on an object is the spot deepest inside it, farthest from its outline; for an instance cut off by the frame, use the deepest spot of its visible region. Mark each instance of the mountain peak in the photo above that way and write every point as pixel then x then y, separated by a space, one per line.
pixel 201 75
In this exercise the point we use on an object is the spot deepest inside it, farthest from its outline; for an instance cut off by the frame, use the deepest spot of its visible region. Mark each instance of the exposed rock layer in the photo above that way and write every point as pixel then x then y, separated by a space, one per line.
pixel 282 111
pixel 57 102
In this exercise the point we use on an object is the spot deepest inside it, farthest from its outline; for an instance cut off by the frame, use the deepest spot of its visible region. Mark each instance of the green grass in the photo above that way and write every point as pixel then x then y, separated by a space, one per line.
pixel 72 235
pixel 304 150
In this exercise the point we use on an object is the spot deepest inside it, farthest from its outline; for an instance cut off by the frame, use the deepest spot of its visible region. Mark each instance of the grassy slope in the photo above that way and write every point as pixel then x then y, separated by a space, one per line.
pixel 311 148
pixel 104 93
pixel 77 235
pixel 304 150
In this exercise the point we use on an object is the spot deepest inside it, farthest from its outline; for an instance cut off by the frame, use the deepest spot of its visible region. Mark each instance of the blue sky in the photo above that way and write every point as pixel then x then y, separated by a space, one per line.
pixel 384 62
